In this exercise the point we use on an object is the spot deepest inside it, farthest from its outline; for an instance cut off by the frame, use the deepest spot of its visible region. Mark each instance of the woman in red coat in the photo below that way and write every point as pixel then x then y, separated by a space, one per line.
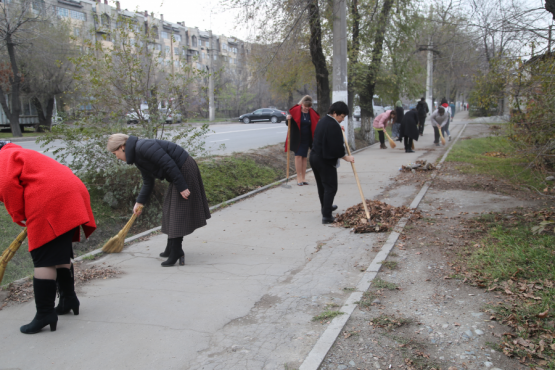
pixel 302 132
pixel 47 198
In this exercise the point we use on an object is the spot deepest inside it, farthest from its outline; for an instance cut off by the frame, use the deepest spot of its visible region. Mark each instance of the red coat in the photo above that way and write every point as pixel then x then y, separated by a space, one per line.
pixel 295 113
pixel 43 193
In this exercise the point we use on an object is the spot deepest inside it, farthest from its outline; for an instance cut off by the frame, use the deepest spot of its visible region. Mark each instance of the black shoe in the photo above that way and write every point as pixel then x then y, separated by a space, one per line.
pixel 65 282
pixel 409 151
pixel 166 252
pixel 176 253
pixel 328 220
pixel 333 208
pixel 45 297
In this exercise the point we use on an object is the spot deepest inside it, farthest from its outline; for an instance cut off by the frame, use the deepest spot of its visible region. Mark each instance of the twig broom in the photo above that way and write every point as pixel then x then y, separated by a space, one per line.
pixel 115 244
pixel 358 181
pixel 10 251
pixel 391 142
pixel 441 134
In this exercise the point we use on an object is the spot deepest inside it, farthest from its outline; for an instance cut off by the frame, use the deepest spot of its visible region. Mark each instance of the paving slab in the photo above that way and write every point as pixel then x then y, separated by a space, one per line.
pixel 254 278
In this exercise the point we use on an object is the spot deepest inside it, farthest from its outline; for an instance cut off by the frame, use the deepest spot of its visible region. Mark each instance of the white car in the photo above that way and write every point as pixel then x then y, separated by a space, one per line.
pixel 376 104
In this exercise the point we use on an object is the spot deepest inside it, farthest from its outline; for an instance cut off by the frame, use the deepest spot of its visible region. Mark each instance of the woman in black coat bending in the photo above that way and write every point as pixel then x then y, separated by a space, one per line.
pixel 409 129
pixel 327 148
pixel 185 206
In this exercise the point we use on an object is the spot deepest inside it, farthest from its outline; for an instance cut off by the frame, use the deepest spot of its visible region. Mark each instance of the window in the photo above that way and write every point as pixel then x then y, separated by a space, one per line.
pixel 235 50
pixel 77 15
pixel 176 51
pixel 161 61
pixel 215 57
pixel 155 32
pixel 76 31
pixel 202 55
pixel 199 66
pixel 231 60
pixel 224 47
pixel 194 41
pixel 167 50
pixel 177 38
pixel 104 20
pixel 158 47
pixel 168 63
pixel 176 63
pixel 62 12
pixel 164 35
pixel 184 51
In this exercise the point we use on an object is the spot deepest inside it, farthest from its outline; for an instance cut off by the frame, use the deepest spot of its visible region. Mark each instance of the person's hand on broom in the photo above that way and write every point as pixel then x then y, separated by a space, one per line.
pixel 138 209
pixel 349 158
pixel 185 193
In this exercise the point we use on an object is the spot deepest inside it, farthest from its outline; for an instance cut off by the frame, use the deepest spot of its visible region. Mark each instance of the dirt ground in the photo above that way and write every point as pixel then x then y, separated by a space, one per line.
pixel 418 314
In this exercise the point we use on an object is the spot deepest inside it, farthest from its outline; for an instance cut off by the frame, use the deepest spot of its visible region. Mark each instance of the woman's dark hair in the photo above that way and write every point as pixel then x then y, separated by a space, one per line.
pixel 392 114
pixel 443 101
pixel 4 142
pixel 441 110
pixel 339 108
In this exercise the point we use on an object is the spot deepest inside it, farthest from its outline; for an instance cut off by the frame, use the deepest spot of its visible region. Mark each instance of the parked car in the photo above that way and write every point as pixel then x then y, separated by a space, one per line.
pixel 133 117
pixel 171 116
pixel 264 114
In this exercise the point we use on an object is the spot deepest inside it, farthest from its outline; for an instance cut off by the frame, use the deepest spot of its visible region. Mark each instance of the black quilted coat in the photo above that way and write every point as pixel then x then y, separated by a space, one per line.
pixel 156 159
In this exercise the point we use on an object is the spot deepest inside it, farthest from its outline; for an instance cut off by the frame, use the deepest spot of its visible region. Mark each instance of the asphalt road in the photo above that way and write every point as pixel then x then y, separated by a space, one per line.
pixel 237 137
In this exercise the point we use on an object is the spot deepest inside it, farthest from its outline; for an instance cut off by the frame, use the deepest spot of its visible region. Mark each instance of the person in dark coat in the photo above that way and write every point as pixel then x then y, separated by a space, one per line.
pixel 49 200
pixel 422 109
pixel 185 206
pixel 409 129
pixel 328 147
pixel 400 113
pixel 304 120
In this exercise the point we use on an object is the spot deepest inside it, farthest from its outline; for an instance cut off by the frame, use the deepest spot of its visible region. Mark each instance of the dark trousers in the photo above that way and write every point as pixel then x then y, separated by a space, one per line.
pixel 421 121
pixel 436 134
pixel 382 137
pixel 408 143
pixel 326 181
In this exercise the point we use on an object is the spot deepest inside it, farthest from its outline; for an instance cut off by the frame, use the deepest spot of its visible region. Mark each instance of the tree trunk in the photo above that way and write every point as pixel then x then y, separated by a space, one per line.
pixel 367 95
pixel 353 60
pixel 318 58
pixel 550 7
pixel 290 100
pixel 15 85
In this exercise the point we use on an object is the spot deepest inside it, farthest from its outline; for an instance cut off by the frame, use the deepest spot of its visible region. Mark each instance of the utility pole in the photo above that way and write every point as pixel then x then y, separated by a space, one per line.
pixel 211 104
pixel 340 62
pixel 430 77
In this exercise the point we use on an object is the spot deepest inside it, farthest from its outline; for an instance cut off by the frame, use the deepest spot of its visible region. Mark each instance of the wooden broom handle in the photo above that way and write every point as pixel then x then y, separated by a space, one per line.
pixel 288 146
pixel 356 177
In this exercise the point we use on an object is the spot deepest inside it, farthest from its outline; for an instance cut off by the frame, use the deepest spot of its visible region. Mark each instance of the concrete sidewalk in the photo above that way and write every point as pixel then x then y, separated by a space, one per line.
pixel 253 280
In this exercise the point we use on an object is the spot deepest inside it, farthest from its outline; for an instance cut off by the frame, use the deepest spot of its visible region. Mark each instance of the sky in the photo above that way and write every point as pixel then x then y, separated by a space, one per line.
pixel 204 14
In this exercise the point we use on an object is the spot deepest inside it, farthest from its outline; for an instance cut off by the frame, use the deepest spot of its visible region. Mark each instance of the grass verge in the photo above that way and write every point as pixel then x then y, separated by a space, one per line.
pixel 502 161
pixel 518 265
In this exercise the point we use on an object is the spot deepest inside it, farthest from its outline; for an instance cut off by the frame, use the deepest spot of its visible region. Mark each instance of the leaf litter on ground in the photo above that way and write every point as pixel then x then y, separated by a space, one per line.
pixel 383 217
pixel 421 165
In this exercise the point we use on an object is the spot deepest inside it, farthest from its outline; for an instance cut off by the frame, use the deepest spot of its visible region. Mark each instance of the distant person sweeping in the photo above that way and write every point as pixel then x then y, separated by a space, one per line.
pixel 399 114
pixel 380 125
pixel 409 130
pixel 185 206
pixel 423 110
pixel 303 124
pixel 327 149
pixel 47 198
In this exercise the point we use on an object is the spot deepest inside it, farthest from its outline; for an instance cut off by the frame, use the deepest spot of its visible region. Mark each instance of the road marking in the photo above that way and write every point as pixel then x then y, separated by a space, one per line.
pixel 252 129
pixel 217 141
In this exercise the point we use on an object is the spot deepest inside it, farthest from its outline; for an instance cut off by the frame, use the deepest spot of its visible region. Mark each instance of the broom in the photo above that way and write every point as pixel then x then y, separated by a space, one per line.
pixel 10 251
pixel 115 245
pixel 441 134
pixel 358 181
pixel 391 142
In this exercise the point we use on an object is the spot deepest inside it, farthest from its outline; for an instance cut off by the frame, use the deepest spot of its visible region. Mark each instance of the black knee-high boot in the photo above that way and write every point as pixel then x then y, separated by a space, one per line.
pixel 176 253
pixel 166 252
pixel 65 281
pixel 45 297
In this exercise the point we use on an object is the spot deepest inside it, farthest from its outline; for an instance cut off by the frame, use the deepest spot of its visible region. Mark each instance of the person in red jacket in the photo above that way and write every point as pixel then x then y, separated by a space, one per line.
pixel 302 133
pixel 52 203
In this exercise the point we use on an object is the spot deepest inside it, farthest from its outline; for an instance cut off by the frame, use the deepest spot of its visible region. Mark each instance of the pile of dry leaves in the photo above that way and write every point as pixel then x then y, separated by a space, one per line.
pixel 495 154
pixel 383 217
pixel 422 165
pixel 21 293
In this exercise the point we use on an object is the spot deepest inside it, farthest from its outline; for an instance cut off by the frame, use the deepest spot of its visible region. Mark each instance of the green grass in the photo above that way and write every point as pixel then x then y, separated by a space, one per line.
pixel 388 129
pixel 510 168
pixel 327 315
pixel 229 177
pixel 382 284
pixel 514 262
pixel 8 135
pixel 21 264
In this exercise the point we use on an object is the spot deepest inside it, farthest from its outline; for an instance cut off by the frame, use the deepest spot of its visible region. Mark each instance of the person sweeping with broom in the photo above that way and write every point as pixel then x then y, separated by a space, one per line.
pixel 327 149
pixel 380 125
pixel 409 130
pixel 185 206
pixel 53 204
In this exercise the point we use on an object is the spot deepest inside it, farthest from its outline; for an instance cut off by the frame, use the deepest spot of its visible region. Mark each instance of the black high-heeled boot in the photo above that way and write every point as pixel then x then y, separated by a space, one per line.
pixel 166 252
pixel 65 281
pixel 176 253
pixel 45 297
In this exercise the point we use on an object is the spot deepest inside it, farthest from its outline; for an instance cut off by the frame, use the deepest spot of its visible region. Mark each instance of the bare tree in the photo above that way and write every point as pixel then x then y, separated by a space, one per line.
pixel 19 23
